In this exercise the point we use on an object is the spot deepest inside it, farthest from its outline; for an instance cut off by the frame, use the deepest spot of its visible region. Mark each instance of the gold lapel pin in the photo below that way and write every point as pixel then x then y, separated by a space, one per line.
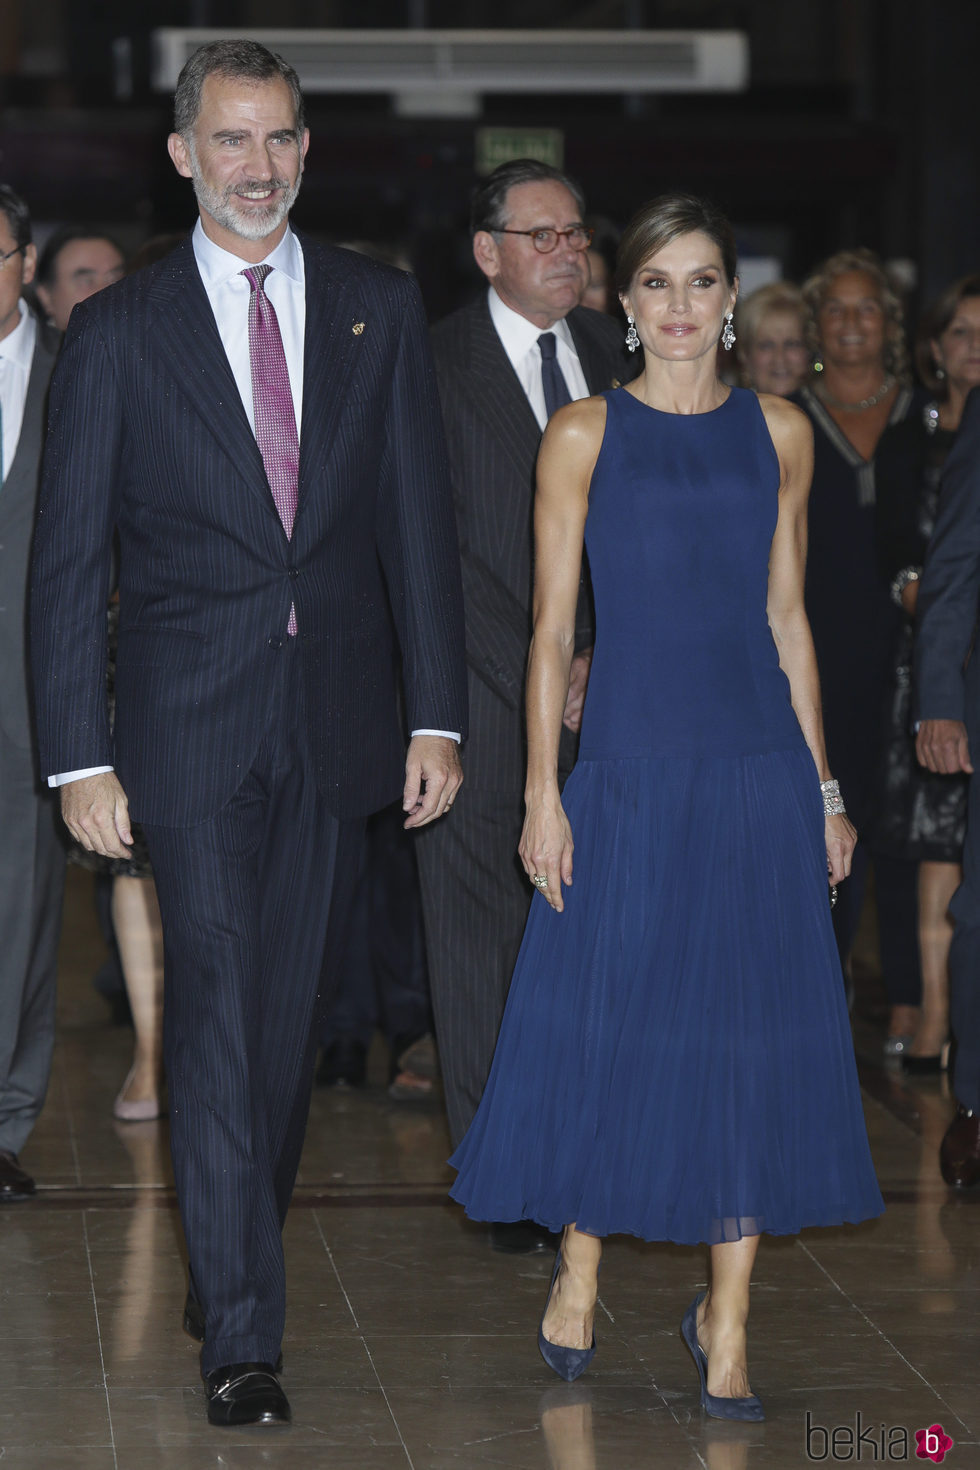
pixel 357 328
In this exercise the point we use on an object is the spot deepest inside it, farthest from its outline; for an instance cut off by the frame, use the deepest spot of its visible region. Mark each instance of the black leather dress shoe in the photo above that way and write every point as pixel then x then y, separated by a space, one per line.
pixel 193 1317
pixel 520 1237
pixel 959 1152
pixel 14 1183
pixel 246 1393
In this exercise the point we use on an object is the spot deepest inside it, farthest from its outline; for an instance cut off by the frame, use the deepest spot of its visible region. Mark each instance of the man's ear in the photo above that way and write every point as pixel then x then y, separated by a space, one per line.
pixel 30 264
pixel 180 155
pixel 486 254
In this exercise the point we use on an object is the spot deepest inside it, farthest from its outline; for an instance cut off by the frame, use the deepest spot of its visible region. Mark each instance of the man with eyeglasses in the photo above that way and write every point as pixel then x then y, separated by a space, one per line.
pixel 504 363
pixel 32 860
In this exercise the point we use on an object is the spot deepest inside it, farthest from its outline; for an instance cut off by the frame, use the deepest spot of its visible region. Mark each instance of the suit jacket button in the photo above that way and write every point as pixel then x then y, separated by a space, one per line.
pixel 275 642
pixel 293 573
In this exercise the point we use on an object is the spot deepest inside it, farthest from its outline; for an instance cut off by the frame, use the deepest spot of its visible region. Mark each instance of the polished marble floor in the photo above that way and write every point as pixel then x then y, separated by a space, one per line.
pixel 409 1344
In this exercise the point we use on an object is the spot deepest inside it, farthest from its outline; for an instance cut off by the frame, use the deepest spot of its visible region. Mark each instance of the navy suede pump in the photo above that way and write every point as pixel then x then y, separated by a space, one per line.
pixel 749 1409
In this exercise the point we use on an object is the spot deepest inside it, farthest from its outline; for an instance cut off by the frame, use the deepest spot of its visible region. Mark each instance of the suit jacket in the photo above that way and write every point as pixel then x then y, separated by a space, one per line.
pixel 947 677
pixel 18 509
pixel 493 439
pixel 148 434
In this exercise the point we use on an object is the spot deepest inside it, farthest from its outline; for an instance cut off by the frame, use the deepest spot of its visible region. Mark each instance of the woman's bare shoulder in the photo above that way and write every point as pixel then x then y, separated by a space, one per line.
pixel 787 424
pixel 579 425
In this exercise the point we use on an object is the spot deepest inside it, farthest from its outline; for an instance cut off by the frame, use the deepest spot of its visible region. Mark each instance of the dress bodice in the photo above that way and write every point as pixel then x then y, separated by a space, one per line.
pixel 682 512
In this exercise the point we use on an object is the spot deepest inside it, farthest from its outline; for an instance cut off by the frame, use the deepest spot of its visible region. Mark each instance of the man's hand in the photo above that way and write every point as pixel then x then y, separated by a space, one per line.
pixel 433 775
pixel 96 814
pixel 942 746
pixel 578 683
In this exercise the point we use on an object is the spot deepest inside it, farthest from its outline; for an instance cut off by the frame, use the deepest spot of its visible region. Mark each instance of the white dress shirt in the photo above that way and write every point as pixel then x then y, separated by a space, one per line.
pixel 16 357
pixel 519 339
pixel 228 292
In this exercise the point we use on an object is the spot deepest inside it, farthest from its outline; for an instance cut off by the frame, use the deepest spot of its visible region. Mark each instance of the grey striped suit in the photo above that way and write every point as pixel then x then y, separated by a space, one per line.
pixel 32 858
pixel 474 891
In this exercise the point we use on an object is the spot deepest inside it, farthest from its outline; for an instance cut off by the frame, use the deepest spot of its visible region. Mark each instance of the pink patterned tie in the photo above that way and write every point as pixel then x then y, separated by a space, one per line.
pixel 272 405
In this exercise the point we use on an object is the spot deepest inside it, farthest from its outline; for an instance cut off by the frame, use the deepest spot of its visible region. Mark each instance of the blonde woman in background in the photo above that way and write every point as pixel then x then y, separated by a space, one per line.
pixel 771 340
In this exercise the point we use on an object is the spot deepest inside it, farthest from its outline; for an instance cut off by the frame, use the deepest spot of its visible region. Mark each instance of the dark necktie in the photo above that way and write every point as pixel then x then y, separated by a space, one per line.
pixel 556 393
pixel 272 404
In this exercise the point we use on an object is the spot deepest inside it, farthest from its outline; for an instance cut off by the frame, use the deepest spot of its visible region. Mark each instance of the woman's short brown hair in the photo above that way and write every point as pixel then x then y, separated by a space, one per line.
pixel 817 286
pixel 661 220
pixel 935 319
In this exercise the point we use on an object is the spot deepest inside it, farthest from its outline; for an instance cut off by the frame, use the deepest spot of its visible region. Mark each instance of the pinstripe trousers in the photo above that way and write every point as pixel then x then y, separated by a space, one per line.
pixel 245 898
pixel 475 897
pixel 32 880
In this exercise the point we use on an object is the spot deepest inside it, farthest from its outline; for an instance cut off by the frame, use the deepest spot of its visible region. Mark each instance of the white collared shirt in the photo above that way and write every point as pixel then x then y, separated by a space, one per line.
pixel 16 357
pixel 228 292
pixel 519 339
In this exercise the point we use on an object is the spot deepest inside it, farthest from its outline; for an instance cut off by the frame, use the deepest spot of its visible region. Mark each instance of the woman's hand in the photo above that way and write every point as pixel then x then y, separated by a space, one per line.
pixel 546 848
pixel 841 840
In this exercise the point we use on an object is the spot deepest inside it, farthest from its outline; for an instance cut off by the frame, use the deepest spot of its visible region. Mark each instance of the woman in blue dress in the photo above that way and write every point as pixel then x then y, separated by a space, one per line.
pixel 675 1061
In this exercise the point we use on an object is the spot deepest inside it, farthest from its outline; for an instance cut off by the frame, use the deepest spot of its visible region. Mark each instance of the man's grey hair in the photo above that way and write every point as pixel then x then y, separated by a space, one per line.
pixel 488 210
pixel 244 61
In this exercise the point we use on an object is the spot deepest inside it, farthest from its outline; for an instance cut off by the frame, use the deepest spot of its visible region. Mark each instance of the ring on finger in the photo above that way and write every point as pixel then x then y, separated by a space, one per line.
pixel 539 880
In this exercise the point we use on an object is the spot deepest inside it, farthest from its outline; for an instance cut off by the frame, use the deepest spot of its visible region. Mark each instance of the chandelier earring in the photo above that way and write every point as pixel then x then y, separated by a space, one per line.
pixel 632 340
pixel 728 335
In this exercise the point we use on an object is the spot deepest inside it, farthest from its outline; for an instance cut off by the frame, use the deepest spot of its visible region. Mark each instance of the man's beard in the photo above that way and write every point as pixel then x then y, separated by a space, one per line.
pixel 253 223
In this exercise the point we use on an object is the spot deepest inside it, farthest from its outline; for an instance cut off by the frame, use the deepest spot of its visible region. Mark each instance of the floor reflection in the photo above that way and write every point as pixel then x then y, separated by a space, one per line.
pixel 568 1419
pixel 566 1423
pixel 149 1231
pixel 729 1446
pixel 936 1262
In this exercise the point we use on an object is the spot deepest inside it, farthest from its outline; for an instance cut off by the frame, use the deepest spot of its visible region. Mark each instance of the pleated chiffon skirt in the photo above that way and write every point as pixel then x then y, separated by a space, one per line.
pixel 675 1061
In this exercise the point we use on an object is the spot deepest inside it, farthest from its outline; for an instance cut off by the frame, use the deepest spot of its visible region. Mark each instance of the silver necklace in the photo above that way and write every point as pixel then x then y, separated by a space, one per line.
pixel 869 402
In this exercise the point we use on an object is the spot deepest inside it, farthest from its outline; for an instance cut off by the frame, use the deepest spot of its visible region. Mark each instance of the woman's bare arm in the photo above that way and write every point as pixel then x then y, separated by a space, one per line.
pixel 566 460
pixel 792 436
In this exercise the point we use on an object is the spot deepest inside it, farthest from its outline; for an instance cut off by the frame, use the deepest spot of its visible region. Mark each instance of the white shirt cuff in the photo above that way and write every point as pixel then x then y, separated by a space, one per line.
pixel 67 776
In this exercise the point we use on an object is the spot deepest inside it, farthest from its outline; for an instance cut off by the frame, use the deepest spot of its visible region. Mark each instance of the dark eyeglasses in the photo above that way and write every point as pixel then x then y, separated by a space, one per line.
pixel 545 240
pixel 10 253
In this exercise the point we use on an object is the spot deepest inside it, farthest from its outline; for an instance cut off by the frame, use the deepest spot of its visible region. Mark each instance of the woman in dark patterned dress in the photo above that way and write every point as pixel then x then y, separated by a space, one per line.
pixel 921 815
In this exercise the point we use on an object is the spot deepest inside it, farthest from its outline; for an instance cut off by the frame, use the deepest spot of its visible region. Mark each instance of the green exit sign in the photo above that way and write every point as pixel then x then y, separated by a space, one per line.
pixel 495 146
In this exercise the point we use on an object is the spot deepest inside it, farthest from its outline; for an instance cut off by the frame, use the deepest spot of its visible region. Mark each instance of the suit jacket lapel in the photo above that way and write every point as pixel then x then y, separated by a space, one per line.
pixel 187 336
pixel 331 315
pixel 22 478
pixel 497 389
pixel 595 365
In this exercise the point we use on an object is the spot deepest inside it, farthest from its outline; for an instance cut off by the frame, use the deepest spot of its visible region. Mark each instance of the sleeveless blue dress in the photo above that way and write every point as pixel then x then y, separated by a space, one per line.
pixel 675 1060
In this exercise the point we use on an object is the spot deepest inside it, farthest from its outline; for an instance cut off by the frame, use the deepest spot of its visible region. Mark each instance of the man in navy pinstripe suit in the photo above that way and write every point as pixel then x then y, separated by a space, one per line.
pixel 255 689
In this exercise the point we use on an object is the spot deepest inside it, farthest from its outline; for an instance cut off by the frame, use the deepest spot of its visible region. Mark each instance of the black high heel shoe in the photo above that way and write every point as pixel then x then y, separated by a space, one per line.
pixel 568 1363
pixel 749 1409
pixel 929 1066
